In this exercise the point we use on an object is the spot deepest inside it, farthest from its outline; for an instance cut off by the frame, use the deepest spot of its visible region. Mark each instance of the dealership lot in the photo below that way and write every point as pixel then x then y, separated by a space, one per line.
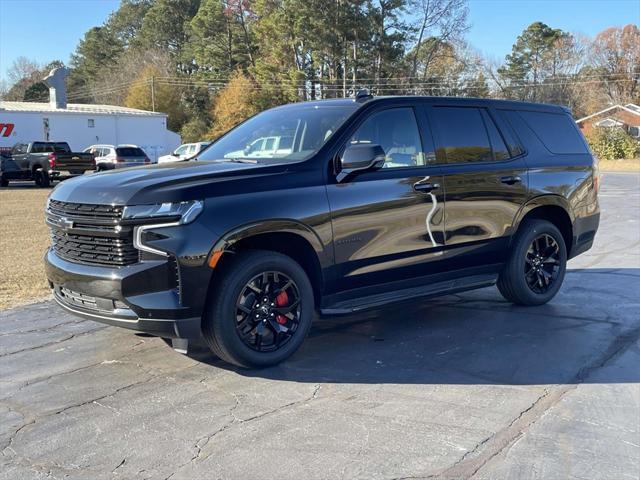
pixel 457 387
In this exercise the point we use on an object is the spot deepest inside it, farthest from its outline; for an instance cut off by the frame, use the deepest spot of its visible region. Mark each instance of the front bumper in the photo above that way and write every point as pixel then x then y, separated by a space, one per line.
pixel 139 297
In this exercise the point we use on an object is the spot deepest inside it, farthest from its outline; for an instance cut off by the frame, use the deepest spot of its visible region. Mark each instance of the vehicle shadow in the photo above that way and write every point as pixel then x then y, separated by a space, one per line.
pixel 474 338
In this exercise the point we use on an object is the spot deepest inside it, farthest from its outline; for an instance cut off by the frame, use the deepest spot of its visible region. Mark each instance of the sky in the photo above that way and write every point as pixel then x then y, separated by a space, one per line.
pixel 46 30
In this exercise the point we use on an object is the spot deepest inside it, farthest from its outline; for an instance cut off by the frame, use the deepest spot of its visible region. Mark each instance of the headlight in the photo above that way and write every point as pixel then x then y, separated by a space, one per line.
pixel 182 212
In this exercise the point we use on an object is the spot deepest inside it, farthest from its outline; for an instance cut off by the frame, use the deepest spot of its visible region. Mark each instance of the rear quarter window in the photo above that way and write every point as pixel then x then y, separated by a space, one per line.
pixel 557 131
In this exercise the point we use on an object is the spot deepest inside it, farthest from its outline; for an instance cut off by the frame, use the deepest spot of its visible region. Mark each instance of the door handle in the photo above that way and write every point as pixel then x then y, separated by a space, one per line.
pixel 511 180
pixel 425 187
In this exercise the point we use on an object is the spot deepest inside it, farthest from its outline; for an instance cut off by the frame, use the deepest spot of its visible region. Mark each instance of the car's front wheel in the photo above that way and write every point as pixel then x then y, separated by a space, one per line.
pixel 535 270
pixel 260 309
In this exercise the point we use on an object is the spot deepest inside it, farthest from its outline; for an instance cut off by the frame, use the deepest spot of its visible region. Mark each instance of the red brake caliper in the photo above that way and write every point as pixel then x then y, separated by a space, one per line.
pixel 282 300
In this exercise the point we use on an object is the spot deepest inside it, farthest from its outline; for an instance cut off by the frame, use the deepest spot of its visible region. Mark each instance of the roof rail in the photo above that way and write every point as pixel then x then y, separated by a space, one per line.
pixel 363 95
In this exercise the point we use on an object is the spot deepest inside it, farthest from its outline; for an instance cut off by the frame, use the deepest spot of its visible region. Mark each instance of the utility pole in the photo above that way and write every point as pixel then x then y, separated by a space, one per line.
pixel 153 93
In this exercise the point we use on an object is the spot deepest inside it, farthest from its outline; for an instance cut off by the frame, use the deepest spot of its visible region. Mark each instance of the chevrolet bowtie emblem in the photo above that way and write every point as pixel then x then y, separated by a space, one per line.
pixel 63 222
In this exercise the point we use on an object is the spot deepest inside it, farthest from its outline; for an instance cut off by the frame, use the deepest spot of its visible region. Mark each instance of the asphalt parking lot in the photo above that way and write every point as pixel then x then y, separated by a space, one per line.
pixel 465 386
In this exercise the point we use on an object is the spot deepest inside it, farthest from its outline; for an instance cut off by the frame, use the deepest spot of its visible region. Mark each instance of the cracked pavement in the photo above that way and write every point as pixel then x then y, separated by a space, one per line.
pixel 464 386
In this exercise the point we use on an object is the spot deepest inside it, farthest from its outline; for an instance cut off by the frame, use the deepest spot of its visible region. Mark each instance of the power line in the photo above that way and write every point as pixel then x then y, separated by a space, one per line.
pixel 382 85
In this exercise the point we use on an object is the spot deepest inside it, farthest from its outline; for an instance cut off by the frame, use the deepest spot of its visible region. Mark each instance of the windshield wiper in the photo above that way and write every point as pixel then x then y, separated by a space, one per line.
pixel 238 160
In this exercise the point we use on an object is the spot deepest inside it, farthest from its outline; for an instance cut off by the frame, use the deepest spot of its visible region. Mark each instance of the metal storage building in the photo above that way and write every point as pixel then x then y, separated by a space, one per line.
pixel 82 125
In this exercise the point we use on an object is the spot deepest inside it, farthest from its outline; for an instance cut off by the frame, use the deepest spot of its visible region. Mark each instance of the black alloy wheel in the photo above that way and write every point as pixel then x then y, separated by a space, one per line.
pixel 542 263
pixel 268 311
pixel 535 269
pixel 260 308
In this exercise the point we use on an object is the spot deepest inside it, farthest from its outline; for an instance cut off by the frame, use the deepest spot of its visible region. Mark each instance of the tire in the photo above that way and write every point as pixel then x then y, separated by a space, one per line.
pixel 3 181
pixel 519 282
pixel 42 178
pixel 223 320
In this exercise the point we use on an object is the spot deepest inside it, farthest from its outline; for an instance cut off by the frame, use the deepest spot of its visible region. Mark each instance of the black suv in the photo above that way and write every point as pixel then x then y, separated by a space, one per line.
pixel 347 205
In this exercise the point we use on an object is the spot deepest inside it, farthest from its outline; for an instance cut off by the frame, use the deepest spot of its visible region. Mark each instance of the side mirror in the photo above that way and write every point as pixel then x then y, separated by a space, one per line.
pixel 360 157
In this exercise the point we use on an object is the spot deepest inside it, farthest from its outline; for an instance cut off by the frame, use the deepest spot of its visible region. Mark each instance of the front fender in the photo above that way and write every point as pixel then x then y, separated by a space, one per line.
pixel 275 226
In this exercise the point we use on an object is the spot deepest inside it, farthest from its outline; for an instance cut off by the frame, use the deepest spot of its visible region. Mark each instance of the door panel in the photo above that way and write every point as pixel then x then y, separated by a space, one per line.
pixel 388 224
pixel 480 210
pixel 383 228
pixel 484 189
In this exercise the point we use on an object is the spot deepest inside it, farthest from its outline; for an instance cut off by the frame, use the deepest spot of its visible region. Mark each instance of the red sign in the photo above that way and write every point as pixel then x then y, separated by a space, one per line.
pixel 6 129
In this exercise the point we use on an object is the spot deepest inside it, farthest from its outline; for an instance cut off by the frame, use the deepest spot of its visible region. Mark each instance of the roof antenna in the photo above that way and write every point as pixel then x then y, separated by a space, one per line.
pixel 363 95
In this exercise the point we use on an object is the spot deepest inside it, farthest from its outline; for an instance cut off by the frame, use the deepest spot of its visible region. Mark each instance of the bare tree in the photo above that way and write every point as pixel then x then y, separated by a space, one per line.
pixel 439 22
pixel 22 68
pixel 616 52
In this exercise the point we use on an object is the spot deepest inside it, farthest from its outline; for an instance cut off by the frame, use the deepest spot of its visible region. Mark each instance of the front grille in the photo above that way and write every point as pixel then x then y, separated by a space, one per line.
pixel 91 234
pixel 93 250
pixel 86 211
pixel 78 298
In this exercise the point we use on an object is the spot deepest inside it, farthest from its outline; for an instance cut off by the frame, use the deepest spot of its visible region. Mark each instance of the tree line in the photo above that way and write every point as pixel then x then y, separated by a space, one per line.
pixel 209 64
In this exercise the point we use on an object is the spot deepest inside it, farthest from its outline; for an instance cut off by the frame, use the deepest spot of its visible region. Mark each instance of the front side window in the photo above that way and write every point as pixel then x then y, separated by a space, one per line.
pixel 18 149
pixel 304 128
pixel 270 143
pixel 182 150
pixel 463 136
pixel 396 131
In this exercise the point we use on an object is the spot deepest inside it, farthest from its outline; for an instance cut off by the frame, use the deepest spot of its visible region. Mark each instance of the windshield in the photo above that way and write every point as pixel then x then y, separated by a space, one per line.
pixel 281 135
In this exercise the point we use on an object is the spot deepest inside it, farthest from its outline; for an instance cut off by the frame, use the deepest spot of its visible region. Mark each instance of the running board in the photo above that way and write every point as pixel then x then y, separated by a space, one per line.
pixel 433 290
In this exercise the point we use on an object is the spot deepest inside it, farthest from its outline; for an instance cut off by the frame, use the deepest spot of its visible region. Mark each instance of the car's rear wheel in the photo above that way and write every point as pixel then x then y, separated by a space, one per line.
pixel 535 270
pixel 42 178
pixel 260 309
pixel 3 180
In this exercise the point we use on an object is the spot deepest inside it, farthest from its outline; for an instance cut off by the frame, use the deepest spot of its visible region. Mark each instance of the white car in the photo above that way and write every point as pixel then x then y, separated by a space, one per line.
pixel 184 152
pixel 109 157
pixel 265 147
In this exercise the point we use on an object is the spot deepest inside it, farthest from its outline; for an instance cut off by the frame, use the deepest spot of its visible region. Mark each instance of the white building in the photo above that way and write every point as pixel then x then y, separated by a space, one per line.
pixel 82 125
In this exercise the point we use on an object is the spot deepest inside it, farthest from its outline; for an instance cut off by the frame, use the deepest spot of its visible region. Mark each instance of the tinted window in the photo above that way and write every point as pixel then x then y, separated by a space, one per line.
pixel 500 151
pixel 557 131
pixel 396 131
pixel 463 135
pixel 41 147
pixel 61 147
pixel 129 152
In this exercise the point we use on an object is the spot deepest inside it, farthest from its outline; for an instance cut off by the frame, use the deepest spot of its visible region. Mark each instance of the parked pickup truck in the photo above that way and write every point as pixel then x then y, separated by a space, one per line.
pixel 43 162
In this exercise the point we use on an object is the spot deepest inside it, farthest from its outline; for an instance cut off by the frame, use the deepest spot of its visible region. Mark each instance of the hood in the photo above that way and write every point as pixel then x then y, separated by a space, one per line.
pixel 169 182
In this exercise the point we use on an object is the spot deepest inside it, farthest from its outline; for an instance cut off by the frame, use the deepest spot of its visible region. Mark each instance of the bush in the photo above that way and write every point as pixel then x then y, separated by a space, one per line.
pixel 613 144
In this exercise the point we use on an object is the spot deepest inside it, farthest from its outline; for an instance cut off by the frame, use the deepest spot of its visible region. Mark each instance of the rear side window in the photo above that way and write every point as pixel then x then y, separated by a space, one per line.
pixel 557 131
pixel 39 147
pixel 463 135
pixel 500 151
pixel 62 147
pixel 129 152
